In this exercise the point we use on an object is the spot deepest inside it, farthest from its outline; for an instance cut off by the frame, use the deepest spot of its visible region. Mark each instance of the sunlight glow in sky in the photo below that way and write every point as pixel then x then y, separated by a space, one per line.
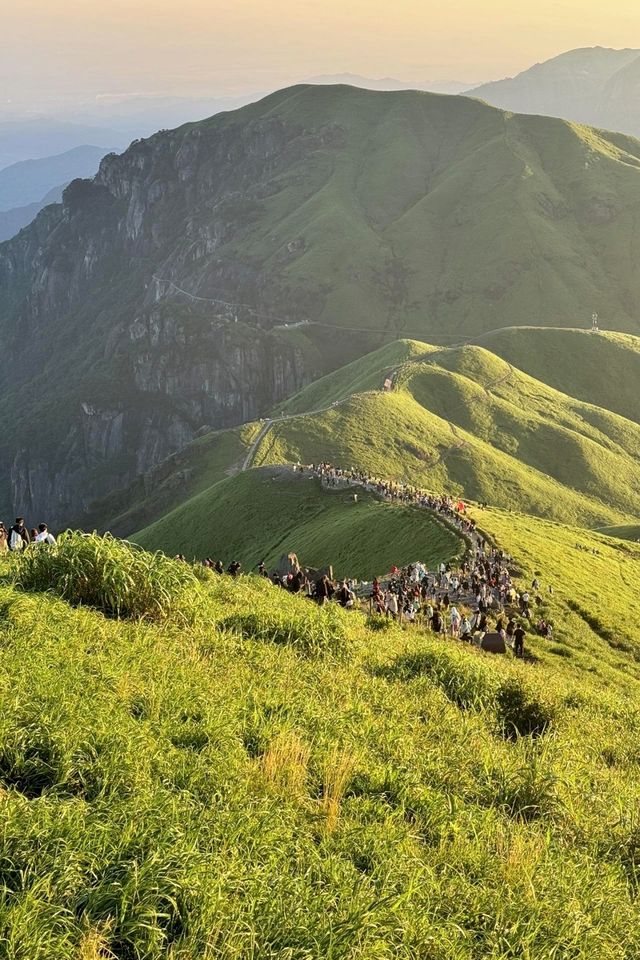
pixel 67 48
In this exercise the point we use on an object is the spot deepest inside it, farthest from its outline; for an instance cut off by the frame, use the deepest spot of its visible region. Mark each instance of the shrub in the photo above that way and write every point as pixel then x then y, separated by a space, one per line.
pixel 309 630
pixel 109 574
pixel 463 679
pixel 523 710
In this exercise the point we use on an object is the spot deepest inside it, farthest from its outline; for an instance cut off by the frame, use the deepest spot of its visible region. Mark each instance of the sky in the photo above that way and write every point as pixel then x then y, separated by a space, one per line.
pixel 69 49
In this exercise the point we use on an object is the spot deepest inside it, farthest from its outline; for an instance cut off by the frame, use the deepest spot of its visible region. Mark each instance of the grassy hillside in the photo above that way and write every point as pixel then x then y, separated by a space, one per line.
pixel 627 532
pixel 264 513
pixel 235 259
pixel 464 420
pixel 417 168
pixel 603 369
pixel 223 789
pixel 394 436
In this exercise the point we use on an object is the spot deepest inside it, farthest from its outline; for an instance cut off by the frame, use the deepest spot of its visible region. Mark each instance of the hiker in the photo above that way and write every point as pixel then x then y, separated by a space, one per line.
pixel 392 604
pixel 234 568
pixel 322 590
pixel 262 570
pixel 518 641
pixel 454 618
pixel 43 535
pixel 466 632
pixel 4 538
pixel 18 535
pixel 345 596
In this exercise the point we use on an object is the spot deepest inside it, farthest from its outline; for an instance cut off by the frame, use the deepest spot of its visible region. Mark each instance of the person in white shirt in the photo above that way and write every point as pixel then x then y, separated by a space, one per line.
pixel 43 535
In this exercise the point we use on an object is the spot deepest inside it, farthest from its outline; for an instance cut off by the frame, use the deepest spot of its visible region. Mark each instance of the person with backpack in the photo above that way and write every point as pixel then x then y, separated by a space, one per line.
pixel 19 535
pixel 43 535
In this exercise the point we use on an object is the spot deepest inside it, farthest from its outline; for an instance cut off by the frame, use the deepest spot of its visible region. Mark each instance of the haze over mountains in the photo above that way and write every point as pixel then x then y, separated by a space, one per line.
pixel 153 303
pixel 30 180
pixel 594 85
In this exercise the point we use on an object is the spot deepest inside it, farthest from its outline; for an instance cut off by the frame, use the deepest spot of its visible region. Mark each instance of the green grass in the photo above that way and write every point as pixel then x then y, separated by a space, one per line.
pixel 394 436
pixel 628 532
pixel 278 780
pixel 462 420
pixel 600 369
pixel 266 513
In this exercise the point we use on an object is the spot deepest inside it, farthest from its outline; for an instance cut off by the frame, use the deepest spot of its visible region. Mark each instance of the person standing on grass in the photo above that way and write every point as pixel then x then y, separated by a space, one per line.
pixel 392 605
pixel 18 535
pixel 4 538
pixel 322 590
pixel 518 641
pixel 454 617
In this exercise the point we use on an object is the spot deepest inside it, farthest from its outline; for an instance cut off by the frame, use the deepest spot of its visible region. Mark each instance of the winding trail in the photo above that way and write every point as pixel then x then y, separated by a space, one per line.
pixel 460 442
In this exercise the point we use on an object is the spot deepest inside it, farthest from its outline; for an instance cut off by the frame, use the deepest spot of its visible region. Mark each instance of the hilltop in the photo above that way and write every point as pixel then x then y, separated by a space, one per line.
pixel 462 420
pixel 435 218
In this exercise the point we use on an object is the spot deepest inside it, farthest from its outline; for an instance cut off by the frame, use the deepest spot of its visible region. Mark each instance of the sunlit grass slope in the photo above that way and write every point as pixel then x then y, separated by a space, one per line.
pixel 264 513
pixel 228 789
pixel 394 436
pixel 602 369
pixel 463 420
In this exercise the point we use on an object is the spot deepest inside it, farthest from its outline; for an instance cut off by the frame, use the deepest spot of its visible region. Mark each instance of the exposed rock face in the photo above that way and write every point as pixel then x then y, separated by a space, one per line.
pixel 136 367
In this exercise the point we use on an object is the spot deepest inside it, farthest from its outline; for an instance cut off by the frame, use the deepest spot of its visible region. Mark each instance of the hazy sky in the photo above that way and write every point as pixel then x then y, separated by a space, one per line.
pixel 71 48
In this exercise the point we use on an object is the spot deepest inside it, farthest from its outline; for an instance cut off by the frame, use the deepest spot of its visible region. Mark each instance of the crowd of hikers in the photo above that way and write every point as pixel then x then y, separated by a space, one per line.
pixel 18 536
pixel 474 600
pixel 468 602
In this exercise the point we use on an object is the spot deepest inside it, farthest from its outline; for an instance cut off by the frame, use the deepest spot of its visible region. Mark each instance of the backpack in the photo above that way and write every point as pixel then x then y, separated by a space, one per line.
pixel 16 542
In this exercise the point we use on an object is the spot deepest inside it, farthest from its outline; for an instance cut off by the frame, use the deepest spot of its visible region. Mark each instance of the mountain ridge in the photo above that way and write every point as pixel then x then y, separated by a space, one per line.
pixel 597 86
pixel 432 215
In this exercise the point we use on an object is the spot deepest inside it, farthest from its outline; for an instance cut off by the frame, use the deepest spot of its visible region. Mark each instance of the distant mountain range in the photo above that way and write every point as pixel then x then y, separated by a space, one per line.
pixel 593 85
pixel 29 181
pixel 390 83
pixel 38 137
pixel 12 221
pixel 211 271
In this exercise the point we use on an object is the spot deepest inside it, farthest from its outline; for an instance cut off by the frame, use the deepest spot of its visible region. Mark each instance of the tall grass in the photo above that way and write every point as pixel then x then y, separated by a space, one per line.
pixel 111 575
pixel 338 771
pixel 175 792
